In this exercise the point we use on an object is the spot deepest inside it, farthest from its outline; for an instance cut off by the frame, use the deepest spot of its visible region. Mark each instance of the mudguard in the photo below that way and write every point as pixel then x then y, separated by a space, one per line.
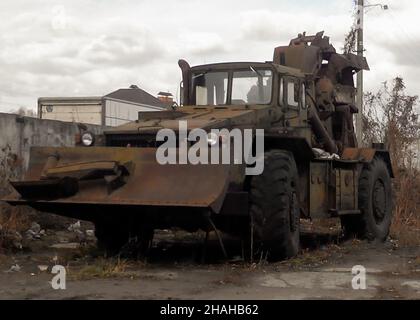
pixel 366 155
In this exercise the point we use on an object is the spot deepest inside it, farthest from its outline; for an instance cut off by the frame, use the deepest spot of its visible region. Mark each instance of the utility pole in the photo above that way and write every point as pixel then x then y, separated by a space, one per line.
pixel 360 51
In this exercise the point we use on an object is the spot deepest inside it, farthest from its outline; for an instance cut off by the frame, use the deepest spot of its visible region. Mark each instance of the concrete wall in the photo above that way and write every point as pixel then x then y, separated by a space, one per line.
pixel 18 134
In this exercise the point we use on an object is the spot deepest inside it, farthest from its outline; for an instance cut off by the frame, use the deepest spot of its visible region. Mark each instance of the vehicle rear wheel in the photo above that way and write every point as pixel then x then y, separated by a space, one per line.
pixel 274 207
pixel 375 203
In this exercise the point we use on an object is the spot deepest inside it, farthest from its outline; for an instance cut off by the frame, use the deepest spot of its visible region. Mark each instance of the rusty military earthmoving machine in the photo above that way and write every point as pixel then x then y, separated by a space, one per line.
pixel 313 168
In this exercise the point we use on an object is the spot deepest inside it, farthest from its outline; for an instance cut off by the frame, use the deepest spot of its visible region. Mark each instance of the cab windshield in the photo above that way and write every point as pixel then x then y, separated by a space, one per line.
pixel 251 86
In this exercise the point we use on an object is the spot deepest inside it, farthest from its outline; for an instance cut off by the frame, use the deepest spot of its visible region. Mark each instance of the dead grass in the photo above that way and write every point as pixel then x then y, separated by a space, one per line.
pixel 13 223
pixel 13 218
pixel 101 269
pixel 406 236
pixel 234 279
pixel 406 222
pixel 311 259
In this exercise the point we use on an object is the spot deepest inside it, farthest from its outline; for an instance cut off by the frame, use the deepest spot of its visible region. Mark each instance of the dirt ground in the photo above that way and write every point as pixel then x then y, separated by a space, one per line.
pixel 178 269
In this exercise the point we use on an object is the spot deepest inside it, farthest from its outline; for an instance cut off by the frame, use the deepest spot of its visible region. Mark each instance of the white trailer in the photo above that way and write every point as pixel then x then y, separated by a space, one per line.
pixel 115 109
pixel 87 110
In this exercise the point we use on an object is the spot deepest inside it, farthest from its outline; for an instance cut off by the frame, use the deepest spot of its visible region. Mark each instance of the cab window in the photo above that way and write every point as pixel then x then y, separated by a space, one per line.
pixel 210 89
pixel 293 92
pixel 252 86
pixel 281 94
pixel 303 96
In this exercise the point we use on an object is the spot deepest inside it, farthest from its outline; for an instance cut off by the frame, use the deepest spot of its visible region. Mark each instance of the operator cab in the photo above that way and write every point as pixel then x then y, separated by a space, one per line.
pixel 226 85
pixel 241 84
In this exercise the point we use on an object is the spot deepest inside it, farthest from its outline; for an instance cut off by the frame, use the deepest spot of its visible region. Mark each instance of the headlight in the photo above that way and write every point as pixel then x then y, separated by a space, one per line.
pixel 88 139
pixel 212 139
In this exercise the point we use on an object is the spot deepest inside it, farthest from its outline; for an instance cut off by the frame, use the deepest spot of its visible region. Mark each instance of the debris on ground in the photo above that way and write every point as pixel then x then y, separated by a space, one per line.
pixel 17 242
pixel 75 227
pixel 11 239
pixel 70 245
pixel 90 233
pixel 35 232
pixel 14 268
pixel 43 268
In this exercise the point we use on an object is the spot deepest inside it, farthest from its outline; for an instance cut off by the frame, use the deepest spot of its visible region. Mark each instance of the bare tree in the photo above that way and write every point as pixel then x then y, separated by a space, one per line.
pixel 350 41
pixel 23 111
pixel 351 37
pixel 390 116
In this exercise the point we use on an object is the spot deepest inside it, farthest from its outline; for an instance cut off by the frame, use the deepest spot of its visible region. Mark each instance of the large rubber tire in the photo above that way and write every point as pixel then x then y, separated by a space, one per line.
pixel 375 203
pixel 274 207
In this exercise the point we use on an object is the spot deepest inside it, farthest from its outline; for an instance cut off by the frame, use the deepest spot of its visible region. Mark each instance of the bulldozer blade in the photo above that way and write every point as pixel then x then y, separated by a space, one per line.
pixel 145 182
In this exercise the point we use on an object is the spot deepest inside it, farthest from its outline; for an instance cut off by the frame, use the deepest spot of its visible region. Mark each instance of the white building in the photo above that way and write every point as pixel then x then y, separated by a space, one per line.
pixel 114 109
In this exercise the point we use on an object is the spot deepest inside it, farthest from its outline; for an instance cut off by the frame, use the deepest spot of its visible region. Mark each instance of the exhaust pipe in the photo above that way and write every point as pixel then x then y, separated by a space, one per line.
pixel 185 68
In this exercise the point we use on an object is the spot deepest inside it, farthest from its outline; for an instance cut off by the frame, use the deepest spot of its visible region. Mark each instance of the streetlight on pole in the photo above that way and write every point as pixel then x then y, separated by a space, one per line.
pixel 360 51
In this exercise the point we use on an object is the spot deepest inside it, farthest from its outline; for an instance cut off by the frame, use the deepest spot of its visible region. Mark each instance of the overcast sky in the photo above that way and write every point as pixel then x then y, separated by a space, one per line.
pixel 92 47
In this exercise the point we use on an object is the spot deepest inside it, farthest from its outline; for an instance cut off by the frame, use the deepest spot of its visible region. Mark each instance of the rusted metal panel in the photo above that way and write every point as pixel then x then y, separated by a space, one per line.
pixel 149 183
pixel 318 189
pixel 346 190
pixel 302 58
pixel 160 115
pixel 81 169
pixel 333 190
pixel 362 154
pixel 206 118
pixel 366 155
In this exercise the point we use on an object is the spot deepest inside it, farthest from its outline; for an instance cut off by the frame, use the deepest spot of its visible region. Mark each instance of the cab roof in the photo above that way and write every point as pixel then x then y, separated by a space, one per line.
pixel 244 65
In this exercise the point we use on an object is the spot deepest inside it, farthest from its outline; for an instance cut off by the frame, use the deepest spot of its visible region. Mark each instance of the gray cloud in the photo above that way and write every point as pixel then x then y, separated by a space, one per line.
pixel 92 47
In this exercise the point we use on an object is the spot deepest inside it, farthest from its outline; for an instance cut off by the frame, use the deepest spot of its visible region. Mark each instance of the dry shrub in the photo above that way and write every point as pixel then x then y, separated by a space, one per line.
pixel 13 223
pixel 391 116
pixel 10 168
pixel 13 220
pixel 406 221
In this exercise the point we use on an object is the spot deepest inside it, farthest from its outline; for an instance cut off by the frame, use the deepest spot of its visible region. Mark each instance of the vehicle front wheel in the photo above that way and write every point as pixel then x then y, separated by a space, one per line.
pixel 274 207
